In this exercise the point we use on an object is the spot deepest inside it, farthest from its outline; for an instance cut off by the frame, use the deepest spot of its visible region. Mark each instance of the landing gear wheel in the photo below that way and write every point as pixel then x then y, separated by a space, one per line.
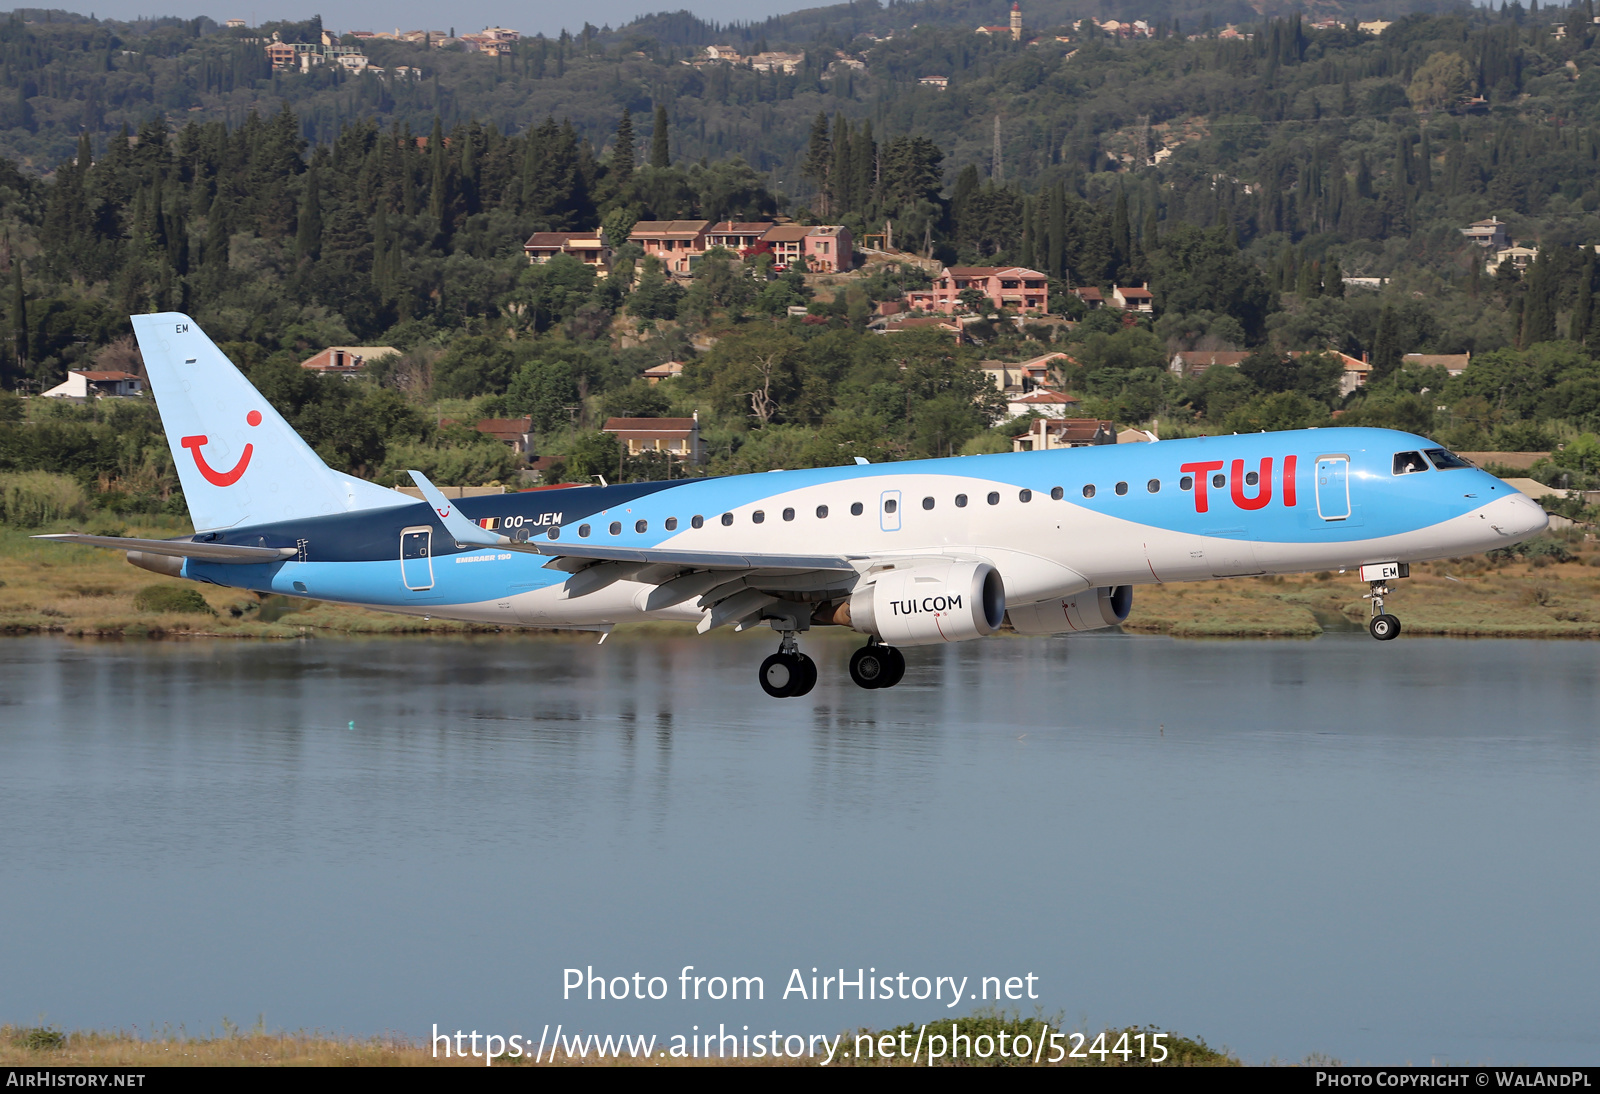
pixel 897 667
pixel 1384 627
pixel 875 666
pixel 782 673
pixel 806 676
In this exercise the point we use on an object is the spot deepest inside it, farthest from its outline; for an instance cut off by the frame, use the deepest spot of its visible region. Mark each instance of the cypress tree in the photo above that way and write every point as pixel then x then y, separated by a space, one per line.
pixel 1386 344
pixel 1583 305
pixel 1121 235
pixel 819 161
pixel 1025 258
pixel 1539 310
pixel 622 151
pixel 660 154
pixel 1058 231
pixel 19 314
pixel 1332 278
pixel 308 234
pixel 438 191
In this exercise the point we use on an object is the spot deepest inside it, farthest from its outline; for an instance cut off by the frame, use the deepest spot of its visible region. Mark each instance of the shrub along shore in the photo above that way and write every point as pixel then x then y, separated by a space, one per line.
pixel 1549 588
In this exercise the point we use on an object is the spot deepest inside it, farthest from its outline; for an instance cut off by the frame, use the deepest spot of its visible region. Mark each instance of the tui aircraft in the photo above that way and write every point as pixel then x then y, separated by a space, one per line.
pixel 913 553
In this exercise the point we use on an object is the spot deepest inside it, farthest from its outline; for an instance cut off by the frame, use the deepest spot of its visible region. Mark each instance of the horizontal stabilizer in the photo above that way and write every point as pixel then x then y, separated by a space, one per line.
pixel 462 530
pixel 237 554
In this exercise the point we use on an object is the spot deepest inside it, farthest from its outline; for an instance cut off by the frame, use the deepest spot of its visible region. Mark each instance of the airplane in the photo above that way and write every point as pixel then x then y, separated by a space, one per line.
pixel 915 553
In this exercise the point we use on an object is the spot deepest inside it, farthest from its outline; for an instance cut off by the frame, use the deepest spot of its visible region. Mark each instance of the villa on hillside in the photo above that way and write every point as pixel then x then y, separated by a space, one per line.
pixel 590 248
pixel 1004 286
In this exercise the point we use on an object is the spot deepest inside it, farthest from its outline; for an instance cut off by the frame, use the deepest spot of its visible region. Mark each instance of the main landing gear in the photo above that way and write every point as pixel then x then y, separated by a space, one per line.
pixel 877 666
pixel 789 674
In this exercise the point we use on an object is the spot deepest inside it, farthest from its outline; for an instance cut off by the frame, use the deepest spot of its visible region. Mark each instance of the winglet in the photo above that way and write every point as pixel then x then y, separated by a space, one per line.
pixel 862 461
pixel 463 530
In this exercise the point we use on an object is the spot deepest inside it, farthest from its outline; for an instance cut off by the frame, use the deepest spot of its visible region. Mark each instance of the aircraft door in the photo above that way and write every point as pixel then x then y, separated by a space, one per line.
pixel 416 558
pixel 889 511
pixel 1333 487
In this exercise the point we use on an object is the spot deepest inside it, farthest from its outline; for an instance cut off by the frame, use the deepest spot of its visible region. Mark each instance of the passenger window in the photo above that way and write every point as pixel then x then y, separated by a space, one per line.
pixel 1251 478
pixel 1024 495
pixel 1409 463
pixel 1154 486
pixel 822 511
pixel 788 514
pixel 1088 491
pixel 1218 481
pixel 757 517
pixel 697 521
pixel 641 525
pixel 616 528
pixel 672 524
pixel 961 501
pixel 1445 461
pixel 855 509
pixel 890 506
pixel 927 503
pixel 583 531
pixel 1056 493
pixel 993 499
pixel 727 519
pixel 1122 488
pixel 555 533
pixel 1186 483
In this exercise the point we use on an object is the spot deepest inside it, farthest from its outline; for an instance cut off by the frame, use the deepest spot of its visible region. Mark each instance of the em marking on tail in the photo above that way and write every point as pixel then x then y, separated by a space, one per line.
pixel 213 476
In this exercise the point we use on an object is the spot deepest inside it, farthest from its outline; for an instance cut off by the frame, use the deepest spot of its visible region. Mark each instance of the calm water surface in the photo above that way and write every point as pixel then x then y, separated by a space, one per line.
pixel 1384 853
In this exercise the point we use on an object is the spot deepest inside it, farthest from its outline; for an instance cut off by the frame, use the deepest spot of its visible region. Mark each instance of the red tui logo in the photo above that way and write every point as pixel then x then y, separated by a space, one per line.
pixel 212 475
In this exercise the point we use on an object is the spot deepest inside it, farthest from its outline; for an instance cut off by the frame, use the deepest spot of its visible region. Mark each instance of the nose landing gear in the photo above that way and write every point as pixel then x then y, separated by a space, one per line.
pixel 1382 625
pixel 877 666
pixel 788 673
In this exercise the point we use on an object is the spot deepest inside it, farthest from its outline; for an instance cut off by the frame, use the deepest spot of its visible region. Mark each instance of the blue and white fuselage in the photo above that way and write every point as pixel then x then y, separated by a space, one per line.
pixel 909 553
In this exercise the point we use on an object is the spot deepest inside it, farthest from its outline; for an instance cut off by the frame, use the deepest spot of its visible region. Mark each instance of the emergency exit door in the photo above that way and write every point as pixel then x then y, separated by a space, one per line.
pixel 416 558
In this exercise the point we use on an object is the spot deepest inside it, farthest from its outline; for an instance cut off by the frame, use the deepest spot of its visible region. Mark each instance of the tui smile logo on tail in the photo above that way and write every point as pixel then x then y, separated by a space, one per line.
pixel 213 476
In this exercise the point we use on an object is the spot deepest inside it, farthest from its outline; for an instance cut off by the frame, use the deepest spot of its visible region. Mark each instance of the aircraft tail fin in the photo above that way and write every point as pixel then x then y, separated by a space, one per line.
pixel 238 460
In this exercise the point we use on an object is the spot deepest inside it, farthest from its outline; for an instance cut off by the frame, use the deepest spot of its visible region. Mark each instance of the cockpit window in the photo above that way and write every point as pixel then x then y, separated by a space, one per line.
pixel 1446 461
pixel 1406 463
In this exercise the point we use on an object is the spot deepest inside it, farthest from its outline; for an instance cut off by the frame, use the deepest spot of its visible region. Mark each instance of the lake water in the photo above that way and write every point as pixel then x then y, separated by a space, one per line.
pixel 1382 852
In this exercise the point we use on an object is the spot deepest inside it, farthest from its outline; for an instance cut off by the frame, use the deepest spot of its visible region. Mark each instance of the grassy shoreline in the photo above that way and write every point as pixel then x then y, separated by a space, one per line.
pixel 62 589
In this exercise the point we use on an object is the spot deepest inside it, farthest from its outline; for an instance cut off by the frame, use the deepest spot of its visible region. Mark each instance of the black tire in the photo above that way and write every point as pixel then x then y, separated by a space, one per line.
pixel 897 667
pixel 1384 627
pixel 779 675
pixel 806 677
pixel 870 666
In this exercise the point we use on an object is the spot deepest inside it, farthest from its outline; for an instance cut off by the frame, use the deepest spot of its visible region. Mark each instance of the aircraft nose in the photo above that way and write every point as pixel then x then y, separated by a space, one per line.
pixel 1519 517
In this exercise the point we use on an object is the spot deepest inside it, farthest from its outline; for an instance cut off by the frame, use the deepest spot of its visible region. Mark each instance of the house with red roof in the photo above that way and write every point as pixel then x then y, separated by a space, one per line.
pixel 82 384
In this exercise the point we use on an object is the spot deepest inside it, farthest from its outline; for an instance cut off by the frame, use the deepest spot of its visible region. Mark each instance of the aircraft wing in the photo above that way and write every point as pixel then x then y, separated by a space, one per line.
pixel 572 556
pixel 732 587
pixel 236 554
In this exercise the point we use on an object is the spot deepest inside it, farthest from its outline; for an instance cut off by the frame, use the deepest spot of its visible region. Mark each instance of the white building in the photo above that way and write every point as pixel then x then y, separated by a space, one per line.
pixel 91 385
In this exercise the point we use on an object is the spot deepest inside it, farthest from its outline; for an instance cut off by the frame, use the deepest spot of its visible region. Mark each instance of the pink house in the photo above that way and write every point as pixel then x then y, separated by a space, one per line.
pixel 674 242
pixel 1005 286
pixel 821 248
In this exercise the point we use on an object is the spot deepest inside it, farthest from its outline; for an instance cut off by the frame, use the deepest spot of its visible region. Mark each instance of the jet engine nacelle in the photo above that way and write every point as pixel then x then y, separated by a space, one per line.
pixel 1089 610
pixel 923 602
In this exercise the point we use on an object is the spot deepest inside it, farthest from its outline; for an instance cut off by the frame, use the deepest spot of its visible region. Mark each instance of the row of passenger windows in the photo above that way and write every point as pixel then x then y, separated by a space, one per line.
pixel 891 505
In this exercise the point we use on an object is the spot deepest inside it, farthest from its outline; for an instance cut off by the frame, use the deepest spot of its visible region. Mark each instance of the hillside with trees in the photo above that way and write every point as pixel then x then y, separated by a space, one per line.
pixel 1244 177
